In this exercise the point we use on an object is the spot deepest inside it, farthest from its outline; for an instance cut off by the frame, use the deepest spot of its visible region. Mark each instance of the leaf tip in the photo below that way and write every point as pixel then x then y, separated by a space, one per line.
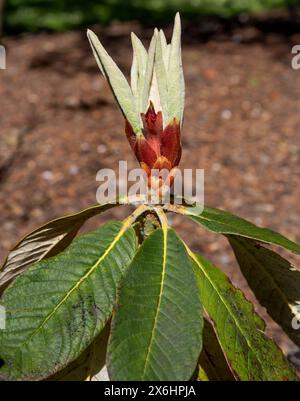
pixel 90 34
pixel 133 36
pixel 177 25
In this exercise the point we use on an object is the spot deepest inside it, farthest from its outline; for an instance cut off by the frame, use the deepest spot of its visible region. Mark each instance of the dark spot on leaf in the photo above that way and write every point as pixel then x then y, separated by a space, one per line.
pixel 1 363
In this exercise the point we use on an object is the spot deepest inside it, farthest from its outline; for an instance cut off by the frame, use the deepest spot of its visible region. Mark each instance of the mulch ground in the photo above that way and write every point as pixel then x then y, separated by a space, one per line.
pixel 60 125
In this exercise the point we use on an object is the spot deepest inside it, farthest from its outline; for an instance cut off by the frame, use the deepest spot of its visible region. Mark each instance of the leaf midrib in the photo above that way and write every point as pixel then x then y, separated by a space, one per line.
pixel 165 236
pixel 290 245
pixel 228 225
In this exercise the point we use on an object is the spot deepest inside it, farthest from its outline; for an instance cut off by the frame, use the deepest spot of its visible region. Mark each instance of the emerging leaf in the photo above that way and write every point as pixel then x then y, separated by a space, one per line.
pixel 175 74
pixel 153 106
pixel 117 82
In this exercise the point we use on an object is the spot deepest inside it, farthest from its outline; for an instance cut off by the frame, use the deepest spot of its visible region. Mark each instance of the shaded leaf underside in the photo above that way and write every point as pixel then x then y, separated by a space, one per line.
pixel 47 240
pixel 275 283
pixel 212 363
pixel 252 356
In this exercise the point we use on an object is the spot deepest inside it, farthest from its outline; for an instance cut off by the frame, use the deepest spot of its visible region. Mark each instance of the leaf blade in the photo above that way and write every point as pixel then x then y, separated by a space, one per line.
pixel 156 329
pixel 149 74
pixel 272 279
pixel 212 363
pixel 220 221
pixel 54 311
pixel 142 59
pixel 176 90
pixel 117 82
pixel 89 364
pixel 252 356
pixel 47 240
pixel 161 79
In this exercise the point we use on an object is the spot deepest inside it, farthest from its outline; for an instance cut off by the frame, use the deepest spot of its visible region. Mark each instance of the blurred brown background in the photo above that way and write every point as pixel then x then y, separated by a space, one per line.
pixel 60 125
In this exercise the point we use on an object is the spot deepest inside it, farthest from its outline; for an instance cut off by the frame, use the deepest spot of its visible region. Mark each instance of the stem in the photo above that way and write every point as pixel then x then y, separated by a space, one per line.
pixel 162 217
pixel 170 207
pixel 147 224
pixel 134 216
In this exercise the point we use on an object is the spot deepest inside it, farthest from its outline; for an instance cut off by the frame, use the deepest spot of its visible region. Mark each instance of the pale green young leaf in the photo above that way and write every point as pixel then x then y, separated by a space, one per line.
pixel 176 91
pixel 142 57
pixel 149 76
pixel 164 46
pixel 141 53
pixel 117 82
pixel 162 80
pixel 134 75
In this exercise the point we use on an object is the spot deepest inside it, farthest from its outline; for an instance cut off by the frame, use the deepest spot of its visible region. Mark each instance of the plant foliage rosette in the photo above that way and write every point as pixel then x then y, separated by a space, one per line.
pixel 131 295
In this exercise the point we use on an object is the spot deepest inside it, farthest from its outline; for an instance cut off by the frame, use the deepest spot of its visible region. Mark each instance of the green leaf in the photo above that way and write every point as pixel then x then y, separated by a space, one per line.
pixel 165 51
pixel 157 325
pixel 252 356
pixel 175 74
pixel 88 365
pixel 47 240
pixel 213 364
pixel 56 309
pixel 117 82
pixel 274 281
pixel 222 222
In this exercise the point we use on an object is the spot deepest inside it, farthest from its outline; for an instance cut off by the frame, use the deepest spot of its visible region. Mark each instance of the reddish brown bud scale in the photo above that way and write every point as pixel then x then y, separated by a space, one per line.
pixel 158 148
pixel 153 128
pixel 170 142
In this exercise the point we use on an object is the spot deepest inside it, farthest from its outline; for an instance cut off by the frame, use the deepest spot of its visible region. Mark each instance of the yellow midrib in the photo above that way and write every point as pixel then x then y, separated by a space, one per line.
pixel 165 233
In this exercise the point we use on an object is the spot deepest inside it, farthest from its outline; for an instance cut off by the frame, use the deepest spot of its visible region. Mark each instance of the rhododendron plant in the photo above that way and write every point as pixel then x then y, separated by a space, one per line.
pixel 131 298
